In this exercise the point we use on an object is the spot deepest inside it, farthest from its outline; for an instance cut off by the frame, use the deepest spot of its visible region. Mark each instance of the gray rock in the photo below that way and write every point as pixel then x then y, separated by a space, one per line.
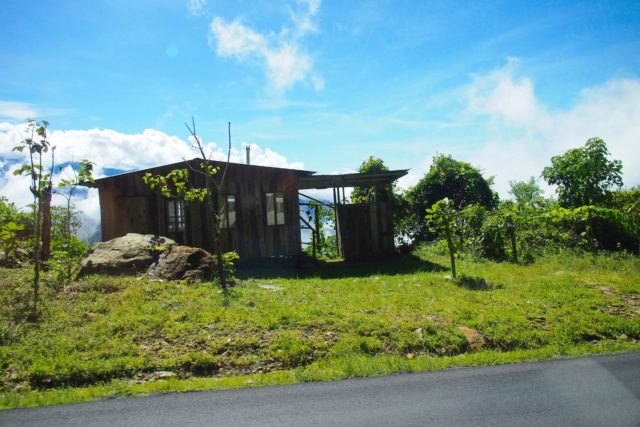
pixel 127 255
pixel 183 263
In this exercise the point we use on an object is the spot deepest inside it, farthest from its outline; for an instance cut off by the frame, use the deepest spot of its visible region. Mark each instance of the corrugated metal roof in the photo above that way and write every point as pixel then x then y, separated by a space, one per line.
pixel 350 179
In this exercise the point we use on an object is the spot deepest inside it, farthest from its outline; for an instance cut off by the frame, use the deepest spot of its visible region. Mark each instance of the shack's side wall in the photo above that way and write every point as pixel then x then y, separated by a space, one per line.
pixel 127 205
pixel 365 230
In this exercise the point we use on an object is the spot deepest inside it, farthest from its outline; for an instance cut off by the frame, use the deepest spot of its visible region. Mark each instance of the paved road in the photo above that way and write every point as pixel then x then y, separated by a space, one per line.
pixel 582 392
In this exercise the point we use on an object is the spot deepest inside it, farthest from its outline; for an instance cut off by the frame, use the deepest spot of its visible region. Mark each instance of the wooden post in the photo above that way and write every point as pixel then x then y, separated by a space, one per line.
pixel 317 224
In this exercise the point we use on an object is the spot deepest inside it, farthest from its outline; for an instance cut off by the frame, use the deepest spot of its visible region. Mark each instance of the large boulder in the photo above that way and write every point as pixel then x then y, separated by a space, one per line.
pixel 183 263
pixel 129 254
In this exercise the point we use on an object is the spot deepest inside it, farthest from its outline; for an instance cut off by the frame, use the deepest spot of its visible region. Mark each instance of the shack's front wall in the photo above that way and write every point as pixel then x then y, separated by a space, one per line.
pixel 127 205
pixel 365 230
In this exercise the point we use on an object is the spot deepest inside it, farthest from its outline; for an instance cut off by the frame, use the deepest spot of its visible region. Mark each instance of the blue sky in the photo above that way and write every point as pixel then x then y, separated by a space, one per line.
pixel 324 84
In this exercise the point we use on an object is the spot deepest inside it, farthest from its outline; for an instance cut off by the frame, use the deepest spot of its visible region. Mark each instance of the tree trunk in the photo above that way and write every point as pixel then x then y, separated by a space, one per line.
pixel 592 247
pixel 452 252
pixel 45 253
pixel 514 246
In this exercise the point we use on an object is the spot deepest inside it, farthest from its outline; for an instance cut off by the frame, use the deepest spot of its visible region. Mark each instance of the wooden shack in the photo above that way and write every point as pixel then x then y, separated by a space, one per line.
pixel 259 207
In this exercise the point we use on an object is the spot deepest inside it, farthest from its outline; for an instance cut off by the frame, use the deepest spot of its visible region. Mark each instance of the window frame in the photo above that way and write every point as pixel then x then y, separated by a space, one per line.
pixel 176 221
pixel 225 212
pixel 278 217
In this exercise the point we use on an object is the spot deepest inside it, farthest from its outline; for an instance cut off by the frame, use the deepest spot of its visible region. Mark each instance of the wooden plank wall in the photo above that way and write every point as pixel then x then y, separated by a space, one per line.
pixel 128 205
pixel 365 230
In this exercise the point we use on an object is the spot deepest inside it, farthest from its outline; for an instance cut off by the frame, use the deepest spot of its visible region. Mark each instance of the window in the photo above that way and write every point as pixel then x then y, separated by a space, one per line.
pixel 229 212
pixel 275 209
pixel 175 216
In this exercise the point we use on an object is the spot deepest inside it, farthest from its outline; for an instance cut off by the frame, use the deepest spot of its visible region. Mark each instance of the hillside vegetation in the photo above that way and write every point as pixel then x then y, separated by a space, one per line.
pixel 105 336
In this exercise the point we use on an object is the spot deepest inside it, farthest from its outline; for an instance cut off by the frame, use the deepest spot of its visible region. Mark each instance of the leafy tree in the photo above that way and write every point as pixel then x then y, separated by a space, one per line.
pixel 459 182
pixel 37 146
pixel 442 220
pixel 371 194
pixel 584 176
pixel 526 192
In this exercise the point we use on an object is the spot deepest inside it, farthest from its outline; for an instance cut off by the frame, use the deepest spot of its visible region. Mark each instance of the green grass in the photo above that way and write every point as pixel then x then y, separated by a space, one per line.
pixel 107 336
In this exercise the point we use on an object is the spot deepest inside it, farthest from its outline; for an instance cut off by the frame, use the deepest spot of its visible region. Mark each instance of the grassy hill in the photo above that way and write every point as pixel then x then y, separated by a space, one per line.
pixel 106 336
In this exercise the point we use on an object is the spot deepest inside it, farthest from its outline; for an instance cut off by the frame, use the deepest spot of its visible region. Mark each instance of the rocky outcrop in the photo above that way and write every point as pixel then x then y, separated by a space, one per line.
pixel 183 263
pixel 127 255
pixel 160 256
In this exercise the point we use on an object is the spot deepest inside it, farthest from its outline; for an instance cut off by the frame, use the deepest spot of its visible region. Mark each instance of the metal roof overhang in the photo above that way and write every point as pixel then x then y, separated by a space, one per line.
pixel 350 180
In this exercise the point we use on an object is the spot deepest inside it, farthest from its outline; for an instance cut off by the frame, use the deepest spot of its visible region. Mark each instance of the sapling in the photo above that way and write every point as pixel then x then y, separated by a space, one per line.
pixel 442 220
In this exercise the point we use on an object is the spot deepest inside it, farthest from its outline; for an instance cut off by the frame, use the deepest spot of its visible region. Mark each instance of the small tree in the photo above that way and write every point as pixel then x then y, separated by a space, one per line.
pixel 442 220
pixel 38 146
pixel 67 188
pixel 179 184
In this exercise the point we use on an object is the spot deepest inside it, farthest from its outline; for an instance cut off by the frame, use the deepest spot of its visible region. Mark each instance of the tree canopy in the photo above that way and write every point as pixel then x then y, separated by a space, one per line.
pixel 460 182
pixel 368 194
pixel 525 192
pixel 585 175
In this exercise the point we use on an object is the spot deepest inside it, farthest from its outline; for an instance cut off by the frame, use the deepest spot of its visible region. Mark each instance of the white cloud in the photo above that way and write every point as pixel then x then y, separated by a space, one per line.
pixel 497 94
pixel 196 7
pixel 285 60
pixel 527 133
pixel 234 39
pixel 304 19
pixel 110 149
pixel 16 110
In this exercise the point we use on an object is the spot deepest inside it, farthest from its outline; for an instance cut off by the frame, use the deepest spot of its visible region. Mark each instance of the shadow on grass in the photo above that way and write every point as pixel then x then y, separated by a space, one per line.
pixel 404 264
pixel 474 283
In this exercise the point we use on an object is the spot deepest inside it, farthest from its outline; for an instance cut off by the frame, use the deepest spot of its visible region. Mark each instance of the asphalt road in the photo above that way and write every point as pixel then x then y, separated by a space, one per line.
pixel 598 391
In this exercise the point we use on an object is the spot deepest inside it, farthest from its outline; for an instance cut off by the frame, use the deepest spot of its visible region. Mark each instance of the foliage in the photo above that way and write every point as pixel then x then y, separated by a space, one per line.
pixel 526 193
pixel 177 184
pixel 15 228
pixel 585 175
pixel 9 241
pixel 370 194
pixel 66 248
pixel 527 232
pixel 457 181
pixel 443 220
pixel 229 259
